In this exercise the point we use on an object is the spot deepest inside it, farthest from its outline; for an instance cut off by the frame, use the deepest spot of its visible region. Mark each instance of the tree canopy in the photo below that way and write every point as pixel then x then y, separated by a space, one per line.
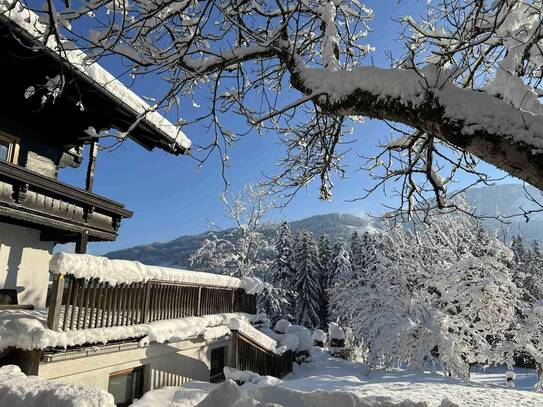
pixel 466 85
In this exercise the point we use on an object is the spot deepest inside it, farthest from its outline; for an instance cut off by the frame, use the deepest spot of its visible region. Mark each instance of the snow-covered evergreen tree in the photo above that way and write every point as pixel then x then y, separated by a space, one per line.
pixel 306 260
pixel 283 274
pixel 273 302
pixel 325 255
pixel 282 267
pixel 339 274
pixel 356 252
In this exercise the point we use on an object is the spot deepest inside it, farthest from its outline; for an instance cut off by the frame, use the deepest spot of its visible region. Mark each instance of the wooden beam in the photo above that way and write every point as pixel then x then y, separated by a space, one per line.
pixel 89 182
pixel 55 302
pixel 81 244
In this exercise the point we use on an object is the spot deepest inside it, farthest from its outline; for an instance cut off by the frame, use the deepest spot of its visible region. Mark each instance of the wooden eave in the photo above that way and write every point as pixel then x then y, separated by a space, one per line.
pixel 29 62
pixel 56 226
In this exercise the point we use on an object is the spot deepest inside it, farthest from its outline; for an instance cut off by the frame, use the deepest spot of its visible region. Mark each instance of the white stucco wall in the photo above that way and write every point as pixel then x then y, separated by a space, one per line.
pixel 24 263
pixel 169 364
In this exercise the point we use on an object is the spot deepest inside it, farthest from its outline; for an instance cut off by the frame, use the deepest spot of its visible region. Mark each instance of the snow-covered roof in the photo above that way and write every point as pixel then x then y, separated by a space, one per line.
pixel 29 23
pixel 27 330
pixel 124 271
pixel 242 326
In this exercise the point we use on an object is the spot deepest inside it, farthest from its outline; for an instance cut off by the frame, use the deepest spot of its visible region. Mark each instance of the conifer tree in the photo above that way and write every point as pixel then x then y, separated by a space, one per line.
pixel 306 260
pixel 339 272
pixel 282 268
pixel 325 255
pixel 357 252
pixel 283 274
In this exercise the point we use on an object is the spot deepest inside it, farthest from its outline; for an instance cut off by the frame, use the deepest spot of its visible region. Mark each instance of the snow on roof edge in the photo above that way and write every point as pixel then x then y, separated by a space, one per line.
pixel 116 272
pixel 28 22
pixel 251 332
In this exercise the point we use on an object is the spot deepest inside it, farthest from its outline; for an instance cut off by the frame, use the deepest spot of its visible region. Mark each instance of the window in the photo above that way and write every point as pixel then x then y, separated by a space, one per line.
pixel 126 385
pixel 9 148
pixel 218 362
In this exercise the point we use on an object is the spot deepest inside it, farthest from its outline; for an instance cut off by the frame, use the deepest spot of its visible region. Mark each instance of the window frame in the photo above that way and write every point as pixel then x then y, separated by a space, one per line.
pixel 139 386
pixel 13 147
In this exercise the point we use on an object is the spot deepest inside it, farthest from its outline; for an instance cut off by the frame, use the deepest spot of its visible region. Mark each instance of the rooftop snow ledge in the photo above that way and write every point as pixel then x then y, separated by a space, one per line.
pixel 27 330
pixel 28 21
pixel 251 332
pixel 124 271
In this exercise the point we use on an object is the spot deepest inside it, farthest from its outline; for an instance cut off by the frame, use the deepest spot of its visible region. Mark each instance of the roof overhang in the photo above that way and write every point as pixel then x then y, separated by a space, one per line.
pixel 113 104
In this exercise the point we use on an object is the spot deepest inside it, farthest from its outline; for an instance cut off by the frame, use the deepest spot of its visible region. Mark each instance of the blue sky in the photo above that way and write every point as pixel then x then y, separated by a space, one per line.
pixel 170 196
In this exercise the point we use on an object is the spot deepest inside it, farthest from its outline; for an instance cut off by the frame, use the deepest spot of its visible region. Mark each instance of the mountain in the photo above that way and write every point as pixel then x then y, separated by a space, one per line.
pixel 176 252
pixel 506 199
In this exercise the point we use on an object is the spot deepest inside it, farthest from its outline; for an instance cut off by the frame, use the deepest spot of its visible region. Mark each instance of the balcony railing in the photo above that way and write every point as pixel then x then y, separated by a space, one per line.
pixel 76 303
pixel 60 210
pixel 249 355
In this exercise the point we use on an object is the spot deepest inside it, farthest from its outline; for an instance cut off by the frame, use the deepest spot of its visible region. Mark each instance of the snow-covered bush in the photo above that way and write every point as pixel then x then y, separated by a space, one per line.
pixel 319 338
pixel 281 326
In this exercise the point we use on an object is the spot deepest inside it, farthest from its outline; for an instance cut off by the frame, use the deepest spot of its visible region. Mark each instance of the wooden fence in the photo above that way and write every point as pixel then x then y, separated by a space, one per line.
pixel 76 303
pixel 249 355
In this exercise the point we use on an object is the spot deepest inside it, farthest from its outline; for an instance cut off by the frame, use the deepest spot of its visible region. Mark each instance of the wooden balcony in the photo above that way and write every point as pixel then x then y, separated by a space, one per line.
pixel 249 355
pixel 84 304
pixel 60 211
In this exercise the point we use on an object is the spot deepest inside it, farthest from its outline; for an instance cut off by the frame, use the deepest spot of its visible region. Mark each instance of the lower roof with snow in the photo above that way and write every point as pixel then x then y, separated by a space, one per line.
pixel 27 330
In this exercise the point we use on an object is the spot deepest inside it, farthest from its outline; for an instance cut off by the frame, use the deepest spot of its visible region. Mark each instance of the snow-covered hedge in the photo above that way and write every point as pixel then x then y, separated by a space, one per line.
pixel 124 271
pixel 18 389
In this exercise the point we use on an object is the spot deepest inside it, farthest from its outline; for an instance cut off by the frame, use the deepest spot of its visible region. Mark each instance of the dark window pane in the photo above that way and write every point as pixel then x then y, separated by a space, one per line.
pixel 3 150
pixel 218 361
pixel 125 387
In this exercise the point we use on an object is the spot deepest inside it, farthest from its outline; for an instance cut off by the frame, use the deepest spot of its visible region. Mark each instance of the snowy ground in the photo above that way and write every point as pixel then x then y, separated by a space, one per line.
pixel 327 380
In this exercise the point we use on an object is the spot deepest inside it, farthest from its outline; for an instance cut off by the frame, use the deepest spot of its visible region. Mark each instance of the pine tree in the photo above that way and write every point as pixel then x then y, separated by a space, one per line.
pixel 339 266
pixel 306 260
pixel 273 302
pixel 357 252
pixel 282 269
pixel 325 255
pixel 339 271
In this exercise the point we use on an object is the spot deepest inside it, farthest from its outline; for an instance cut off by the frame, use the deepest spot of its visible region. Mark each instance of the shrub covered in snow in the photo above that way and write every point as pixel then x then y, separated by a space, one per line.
pixel 281 326
pixel 319 338
pixel 18 389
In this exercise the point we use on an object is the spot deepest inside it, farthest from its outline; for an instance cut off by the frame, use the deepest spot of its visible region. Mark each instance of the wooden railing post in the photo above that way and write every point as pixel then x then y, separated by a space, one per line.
pixel 146 303
pixel 199 309
pixel 55 302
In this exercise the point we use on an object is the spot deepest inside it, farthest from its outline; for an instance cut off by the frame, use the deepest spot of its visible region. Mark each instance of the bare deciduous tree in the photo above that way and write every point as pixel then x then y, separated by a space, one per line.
pixel 466 87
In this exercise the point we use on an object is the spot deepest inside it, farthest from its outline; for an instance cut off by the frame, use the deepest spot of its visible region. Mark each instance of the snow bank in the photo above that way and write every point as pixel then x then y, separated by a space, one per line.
pixel 187 396
pixel 228 394
pixel 124 271
pixel 335 331
pixel 29 22
pixel 17 389
pixel 27 329
pixel 249 331
pixel 281 326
